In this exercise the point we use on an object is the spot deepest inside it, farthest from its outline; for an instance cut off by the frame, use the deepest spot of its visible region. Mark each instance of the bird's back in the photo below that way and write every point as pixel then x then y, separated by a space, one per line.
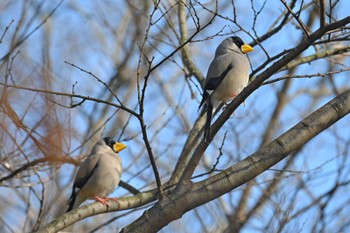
pixel 237 78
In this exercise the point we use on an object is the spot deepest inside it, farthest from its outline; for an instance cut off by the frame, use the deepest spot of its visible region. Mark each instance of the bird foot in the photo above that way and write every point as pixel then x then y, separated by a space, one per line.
pixel 224 107
pixel 229 100
pixel 233 96
pixel 226 104
pixel 112 198
pixel 102 200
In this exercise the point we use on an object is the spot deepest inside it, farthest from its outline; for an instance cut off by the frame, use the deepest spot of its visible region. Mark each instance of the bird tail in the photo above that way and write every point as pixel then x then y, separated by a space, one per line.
pixel 204 109
pixel 204 100
pixel 71 201
pixel 209 108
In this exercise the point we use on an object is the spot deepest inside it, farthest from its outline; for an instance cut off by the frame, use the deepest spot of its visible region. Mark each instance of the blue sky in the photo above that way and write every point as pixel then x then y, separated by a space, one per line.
pixel 78 36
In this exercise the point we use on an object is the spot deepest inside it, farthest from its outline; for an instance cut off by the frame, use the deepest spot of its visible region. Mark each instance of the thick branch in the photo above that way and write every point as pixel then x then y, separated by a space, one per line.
pixel 193 195
pixel 185 52
pixel 252 87
pixel 279 148
pixel 185 155
pixel 97 208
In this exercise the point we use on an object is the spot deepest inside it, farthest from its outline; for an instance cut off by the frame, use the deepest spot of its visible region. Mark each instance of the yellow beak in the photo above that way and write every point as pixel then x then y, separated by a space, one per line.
pixel 118 146
pixel 246 48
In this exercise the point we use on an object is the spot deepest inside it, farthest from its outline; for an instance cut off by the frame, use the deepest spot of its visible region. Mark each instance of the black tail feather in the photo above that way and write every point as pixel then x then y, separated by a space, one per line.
pixel 71 201
pixel 209 108
pixel 204 99
pixel 204 110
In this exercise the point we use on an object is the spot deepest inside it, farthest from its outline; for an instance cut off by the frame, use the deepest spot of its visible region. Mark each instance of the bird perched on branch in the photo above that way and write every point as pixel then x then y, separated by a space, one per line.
pixel 227 75
pixel 99 174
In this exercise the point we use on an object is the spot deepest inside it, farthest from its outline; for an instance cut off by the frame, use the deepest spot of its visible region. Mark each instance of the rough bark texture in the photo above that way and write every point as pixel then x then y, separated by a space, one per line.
pixel 174 206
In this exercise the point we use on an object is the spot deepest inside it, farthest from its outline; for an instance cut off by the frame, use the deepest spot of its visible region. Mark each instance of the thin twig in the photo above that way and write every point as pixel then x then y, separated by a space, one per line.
pixel 98 79
pixel 84 97
pixel 35 162
pixel 305 76
pixel 198 153
pixel 7 28
pixel 144 130
pixel 220 152
pixel 301 24
pixel 141 97
pixel 31 33
pixel 322 13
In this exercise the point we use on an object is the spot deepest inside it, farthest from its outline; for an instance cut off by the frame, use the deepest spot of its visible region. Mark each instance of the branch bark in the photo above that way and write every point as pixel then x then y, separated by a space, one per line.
pixel 193 195
pixel 188 195
pixel 95 208
pixel 255 84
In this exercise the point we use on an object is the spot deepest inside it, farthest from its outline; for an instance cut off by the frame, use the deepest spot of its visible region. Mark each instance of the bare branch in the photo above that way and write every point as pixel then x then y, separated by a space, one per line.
pixel 252 87
pixel 31 32
pixel 7 28
pixel 322 13
pixel 297 18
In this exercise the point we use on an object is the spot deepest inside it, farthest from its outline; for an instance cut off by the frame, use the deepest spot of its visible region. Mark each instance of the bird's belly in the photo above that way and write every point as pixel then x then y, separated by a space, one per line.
pixel 103 189
pixel 102 184
pixel 230 88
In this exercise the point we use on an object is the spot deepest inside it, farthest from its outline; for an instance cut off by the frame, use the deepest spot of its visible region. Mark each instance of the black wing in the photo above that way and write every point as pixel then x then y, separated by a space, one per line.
pixel 212 84
pixel 85 172
pixel 207 123
pixel 81 181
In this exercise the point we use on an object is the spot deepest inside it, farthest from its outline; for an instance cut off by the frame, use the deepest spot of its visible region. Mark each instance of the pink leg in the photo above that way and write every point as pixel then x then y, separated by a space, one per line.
pixel 233 96
pixel 225 103
pixel 102 200
pixel 112 198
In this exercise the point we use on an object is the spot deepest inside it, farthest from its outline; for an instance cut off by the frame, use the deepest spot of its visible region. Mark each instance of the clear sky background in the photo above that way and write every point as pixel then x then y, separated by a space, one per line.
pixel 89 35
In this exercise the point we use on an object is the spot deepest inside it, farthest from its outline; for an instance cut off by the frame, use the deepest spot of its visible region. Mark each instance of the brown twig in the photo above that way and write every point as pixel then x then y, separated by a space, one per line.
pixel 305 76
pixel 322 13
pixel 83 97
pixel 31 32
pixel 97 78
pixel 197 154
pixel 297 18
pixel 7 28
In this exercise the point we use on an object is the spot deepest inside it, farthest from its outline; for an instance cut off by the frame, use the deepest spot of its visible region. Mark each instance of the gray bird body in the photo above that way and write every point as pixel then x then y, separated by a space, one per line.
pixel 98 175
pixel 236 79
pixel 227 76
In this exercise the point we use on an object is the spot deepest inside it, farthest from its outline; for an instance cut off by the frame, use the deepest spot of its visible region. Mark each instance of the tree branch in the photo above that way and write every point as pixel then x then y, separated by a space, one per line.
pixel 185 51
pixel 322 13
pixel 31 32
pixel 95 208
pixel 181 201
pixel 255 84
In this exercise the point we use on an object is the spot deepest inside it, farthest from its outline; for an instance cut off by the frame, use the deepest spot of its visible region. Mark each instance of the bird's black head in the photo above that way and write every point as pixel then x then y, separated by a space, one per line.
pixel 238 41
pixel 109 142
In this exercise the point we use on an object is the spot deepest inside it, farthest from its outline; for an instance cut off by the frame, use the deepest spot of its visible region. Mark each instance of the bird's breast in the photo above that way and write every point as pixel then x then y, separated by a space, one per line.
pixel 105 178
pixel 235 81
